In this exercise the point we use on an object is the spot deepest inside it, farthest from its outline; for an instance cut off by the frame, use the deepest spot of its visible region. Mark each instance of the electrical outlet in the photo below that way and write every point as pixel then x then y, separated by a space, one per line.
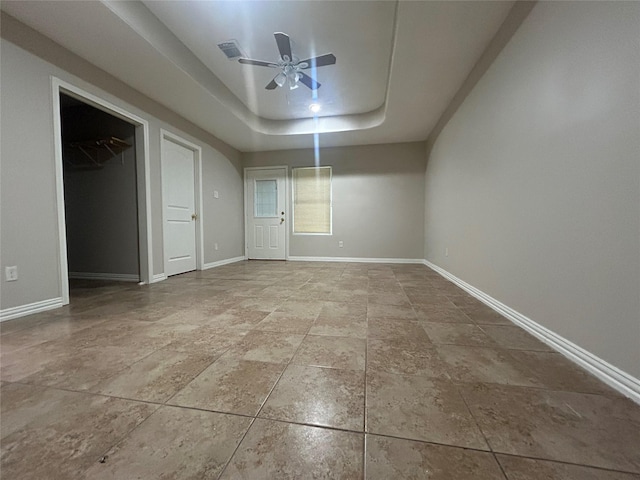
pixel 340 244
pixel 446 252
pixel 11 273
pixel 215 194
pixel 215 246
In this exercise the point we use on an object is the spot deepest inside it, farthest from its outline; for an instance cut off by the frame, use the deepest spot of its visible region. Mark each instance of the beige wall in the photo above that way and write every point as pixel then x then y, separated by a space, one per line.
pixel 378 193
pixel 29 236
pixel 534 185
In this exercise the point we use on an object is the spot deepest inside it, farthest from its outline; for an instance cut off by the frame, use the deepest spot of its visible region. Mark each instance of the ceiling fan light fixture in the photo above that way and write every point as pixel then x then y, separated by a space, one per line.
pixel 293 77
pixel 315 107
pixel 280 79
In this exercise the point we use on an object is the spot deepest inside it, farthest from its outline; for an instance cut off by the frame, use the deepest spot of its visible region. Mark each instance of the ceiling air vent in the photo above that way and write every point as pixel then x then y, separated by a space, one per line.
pixel 231 49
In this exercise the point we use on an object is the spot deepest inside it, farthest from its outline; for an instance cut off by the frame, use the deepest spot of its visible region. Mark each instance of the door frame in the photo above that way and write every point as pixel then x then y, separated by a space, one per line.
pixel 197 192
pixel 287 202
pixel 143 182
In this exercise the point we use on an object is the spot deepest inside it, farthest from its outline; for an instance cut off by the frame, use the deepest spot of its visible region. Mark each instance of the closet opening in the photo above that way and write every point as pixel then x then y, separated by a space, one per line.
pixel 100 195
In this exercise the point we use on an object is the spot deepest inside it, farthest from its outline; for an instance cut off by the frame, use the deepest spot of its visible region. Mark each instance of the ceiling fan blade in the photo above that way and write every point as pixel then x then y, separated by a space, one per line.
pixel 258 63
pixel 272 85
pixel 308 81
pixel 284 45
pixel 321 61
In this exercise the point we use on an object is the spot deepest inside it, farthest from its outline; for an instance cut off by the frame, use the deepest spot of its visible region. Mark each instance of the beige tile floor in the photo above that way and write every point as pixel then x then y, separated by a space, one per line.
pixel 299 370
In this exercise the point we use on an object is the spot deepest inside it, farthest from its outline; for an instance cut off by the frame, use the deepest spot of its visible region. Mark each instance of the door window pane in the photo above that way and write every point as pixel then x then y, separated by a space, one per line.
pixel 266 198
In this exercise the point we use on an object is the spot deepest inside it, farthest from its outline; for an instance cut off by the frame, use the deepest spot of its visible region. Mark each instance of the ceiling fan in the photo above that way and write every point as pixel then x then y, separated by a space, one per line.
pixel 291 67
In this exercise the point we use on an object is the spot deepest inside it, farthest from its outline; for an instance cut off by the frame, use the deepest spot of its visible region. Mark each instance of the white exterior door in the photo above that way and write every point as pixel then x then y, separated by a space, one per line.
pixel 180 216
pixel 265 209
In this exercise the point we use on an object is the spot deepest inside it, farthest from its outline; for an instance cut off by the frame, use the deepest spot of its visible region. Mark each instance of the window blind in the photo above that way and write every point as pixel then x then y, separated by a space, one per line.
pixel 312 200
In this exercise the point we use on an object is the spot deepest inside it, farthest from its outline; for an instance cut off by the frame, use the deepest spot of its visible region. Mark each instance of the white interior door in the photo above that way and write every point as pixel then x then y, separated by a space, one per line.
pixel 265 209
pixel 178 192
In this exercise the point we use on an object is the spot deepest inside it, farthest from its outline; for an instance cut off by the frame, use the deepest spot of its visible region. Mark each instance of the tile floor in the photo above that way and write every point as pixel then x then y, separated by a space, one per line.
pixel 299 370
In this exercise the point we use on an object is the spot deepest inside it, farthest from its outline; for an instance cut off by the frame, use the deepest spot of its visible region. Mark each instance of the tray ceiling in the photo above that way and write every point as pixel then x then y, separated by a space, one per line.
pixel 398 64
pixel 360 34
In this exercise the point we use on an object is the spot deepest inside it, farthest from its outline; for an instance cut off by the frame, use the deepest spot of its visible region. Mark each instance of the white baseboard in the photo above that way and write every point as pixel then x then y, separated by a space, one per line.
pixel 356 260
pixel 609 374
pixel 158 277
pixel 219 263
pixel 118 277
pixel 30 308
pixel 161 276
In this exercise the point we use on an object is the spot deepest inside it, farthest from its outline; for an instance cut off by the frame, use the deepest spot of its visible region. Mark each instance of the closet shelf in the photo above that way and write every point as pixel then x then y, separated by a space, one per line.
pixel 92 148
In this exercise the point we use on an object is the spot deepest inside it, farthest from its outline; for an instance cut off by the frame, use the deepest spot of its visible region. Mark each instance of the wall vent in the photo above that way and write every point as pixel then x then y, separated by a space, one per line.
pixel 231 49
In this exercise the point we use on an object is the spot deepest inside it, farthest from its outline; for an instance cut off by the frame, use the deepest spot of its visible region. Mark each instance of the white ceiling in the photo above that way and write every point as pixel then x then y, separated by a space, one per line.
pixel 365 27
pixel 398 64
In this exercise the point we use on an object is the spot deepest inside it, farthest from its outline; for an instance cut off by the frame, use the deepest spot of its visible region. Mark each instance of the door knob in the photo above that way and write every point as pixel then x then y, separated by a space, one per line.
pixel 194 216
pixel 281 221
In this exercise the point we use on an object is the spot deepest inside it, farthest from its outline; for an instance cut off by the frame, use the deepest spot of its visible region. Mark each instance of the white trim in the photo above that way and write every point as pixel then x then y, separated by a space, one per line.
pixel 118 277
pixel 143 169
pixel 199 204
pixel 158 277
pixel 357 260
pixel 30 308
pixel 287 203
pixel 63 273
pixel 227 261
pixel 609 374
pixel 144 197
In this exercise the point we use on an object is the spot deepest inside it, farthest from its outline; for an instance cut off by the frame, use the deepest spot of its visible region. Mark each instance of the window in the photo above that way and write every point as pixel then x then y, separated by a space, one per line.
pixel 266 198
pixel 312 200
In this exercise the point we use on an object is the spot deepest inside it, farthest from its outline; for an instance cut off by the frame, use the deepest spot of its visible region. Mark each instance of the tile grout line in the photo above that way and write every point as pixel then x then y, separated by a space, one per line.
pixel 251 422
pixel 116 373
pixel 124 436
pixel 563 462
pixel 256 416
pixel 166 402
pixel 495 458
pixel 366 382
pixel 466 404
pixel 128 399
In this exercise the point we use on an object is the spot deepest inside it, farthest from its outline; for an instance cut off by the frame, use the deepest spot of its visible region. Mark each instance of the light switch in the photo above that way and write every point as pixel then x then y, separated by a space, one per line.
pixel 11 274
pixel 215 194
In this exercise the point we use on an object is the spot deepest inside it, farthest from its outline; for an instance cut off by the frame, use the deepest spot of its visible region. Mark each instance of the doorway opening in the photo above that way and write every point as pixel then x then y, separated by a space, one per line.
pixel 102 190
pixel 100 194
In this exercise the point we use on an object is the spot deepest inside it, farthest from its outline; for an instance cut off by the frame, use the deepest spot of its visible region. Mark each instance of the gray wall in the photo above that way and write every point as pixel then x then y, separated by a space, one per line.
pixel 29 236
pixel 101 209
pixel 533 186
pixel 223 217
pixel 378 193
